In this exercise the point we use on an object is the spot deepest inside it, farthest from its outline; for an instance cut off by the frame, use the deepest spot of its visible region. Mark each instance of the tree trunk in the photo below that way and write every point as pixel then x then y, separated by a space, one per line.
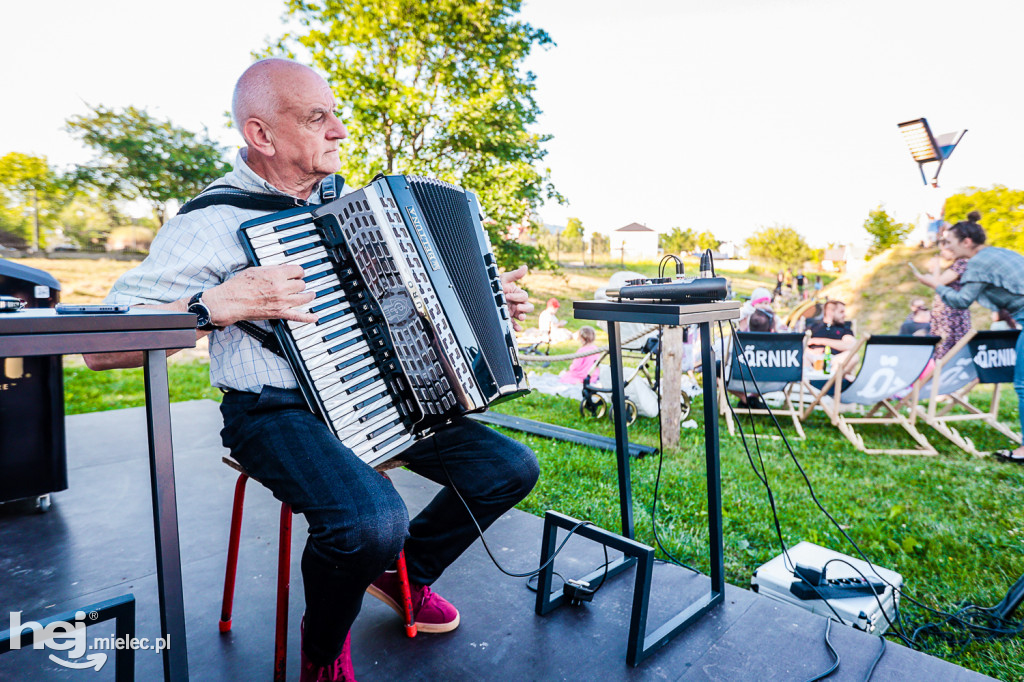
pixel 671 385
pixel 35 217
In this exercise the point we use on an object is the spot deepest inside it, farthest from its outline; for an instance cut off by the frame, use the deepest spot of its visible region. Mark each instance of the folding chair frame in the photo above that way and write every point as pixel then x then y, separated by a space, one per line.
pixel 941 420
pixel 846 425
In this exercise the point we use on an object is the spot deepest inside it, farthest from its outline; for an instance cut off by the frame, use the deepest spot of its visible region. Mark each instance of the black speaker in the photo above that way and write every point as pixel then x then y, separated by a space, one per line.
pixel 33 455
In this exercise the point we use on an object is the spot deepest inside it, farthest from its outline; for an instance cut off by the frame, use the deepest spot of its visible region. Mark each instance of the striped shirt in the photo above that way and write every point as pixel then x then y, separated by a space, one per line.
pixel 197 251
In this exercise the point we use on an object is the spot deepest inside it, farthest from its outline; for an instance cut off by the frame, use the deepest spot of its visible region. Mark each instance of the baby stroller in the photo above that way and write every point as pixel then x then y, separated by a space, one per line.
pixel 596 401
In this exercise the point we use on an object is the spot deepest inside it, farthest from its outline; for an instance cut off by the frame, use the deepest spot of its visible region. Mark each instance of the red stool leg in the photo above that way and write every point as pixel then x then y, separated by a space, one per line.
pixel 403 577
pixel 284 562
pixel 231 570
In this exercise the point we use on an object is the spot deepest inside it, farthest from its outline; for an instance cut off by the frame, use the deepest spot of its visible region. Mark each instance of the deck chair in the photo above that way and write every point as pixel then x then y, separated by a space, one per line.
pixel 775 362
pixel 890 366
pixel 980 357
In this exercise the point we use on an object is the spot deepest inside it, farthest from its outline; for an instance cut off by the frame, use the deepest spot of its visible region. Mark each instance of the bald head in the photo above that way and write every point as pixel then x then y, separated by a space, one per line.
pixel 259 90
pixel 288 116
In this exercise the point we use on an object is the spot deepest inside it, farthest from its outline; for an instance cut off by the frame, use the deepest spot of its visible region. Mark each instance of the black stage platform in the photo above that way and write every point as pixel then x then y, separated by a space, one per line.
pixel 96 543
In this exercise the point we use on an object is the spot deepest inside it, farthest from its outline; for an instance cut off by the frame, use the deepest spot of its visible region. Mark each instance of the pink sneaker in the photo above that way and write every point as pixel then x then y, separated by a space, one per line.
pixel 339 671
pixel 430 611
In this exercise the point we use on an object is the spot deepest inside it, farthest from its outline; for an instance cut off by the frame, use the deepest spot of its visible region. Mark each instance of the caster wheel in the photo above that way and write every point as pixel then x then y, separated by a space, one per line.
pixel 43 503
pixel 593 406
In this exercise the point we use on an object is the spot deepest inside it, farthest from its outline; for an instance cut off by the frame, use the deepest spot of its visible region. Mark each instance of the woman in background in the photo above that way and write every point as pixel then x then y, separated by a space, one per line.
pixel 949 323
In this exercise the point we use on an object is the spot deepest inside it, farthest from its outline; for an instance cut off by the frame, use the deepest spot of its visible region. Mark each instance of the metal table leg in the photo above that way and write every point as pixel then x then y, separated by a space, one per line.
pixel 621 432
pixel 711 456
pixel 165 517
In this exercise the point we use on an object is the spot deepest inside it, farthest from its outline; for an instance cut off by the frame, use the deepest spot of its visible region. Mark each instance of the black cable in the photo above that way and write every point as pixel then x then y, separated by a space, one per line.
pixel 480 531
pixel 831 650
pixel 763 475
pixel 881 650
pixel 957 618
pixel 657 482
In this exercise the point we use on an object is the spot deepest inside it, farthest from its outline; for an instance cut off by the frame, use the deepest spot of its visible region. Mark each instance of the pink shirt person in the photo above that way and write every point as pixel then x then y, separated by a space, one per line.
pixel 583 366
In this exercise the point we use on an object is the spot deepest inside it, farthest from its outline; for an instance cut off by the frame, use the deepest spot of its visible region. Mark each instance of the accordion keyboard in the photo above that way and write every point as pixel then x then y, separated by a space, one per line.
pixel 340 352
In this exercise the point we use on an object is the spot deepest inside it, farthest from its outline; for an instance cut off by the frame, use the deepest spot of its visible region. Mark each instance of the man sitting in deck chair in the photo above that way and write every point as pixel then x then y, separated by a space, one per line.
pixel 760 363
pixel 986 357
pixel 890 366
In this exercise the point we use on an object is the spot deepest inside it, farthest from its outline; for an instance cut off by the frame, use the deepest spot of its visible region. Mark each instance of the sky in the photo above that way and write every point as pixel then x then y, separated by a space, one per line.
pixel 721 115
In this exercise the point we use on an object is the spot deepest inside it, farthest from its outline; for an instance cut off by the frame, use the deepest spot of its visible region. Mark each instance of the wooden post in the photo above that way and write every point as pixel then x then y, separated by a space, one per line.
pixel 671 385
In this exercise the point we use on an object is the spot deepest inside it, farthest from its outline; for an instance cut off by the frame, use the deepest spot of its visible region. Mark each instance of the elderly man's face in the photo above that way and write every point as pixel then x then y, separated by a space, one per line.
pixel 306 130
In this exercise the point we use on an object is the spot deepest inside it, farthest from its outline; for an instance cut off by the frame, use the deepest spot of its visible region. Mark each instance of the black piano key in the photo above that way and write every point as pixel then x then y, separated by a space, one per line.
pixel 362 384
pixel 341 332
pixel 313 263
pixel 383 429
pixel 316 275
pixel 369 401
pixel 324 306
pixel 333 316
pixel 359 372
pixel 300 249
pixel 297 236
pixel 344 345
pixel 325 291
pixel 370 415
pixel 287 226
pixel 351 361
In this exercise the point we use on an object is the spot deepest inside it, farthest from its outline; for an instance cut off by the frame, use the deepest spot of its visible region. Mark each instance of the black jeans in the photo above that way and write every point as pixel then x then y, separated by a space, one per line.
pixel 357 521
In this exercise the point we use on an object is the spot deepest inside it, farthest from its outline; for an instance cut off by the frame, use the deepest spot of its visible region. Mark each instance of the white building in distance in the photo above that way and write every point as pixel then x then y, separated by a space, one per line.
pixel 634 242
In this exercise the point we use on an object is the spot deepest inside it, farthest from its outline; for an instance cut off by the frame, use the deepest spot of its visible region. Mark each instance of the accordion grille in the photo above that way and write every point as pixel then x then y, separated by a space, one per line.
pixel 454 231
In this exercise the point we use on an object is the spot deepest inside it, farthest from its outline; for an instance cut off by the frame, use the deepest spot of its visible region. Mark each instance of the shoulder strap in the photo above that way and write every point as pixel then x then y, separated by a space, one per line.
pixel 240 198
pixel 266 339
pixel 229 195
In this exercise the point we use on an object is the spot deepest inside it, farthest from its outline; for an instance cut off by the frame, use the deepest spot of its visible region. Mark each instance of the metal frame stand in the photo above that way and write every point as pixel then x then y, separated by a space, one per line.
pixel 639 645
pixel 120 609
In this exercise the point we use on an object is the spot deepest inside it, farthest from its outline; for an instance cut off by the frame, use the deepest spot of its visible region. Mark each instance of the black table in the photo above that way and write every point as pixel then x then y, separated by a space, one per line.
pixel 43 332
pixel 639 644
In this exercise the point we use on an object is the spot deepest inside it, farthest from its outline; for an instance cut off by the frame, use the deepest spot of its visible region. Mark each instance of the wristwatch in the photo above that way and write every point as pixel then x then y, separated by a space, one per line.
pixel 204 319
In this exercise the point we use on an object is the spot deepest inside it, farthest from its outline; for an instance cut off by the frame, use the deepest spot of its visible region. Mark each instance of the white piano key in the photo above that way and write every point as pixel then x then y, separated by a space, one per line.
pixel 295 258
pixel 278 248
pixel 343 398
pixel 317 335
pixel 335 375
pixel 270 227
pixel 324 371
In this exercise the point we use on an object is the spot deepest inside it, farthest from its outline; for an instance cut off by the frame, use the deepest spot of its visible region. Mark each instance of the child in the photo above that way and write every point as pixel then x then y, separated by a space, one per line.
pixel 581 366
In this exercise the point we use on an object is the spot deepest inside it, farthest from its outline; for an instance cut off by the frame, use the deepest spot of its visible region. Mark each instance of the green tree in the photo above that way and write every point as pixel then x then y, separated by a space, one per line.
pixel 437 89
pixel 706 240
pixel 1002 213
pixel 678 240
pixel 600 244
pixel 779 246
pixel 573 230
pixel 885 232
pixel 141 157
pixel 32 193
pixel 86 221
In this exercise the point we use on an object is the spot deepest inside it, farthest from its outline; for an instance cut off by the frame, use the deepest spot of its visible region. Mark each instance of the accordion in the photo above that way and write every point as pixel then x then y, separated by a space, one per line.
pixel 413 329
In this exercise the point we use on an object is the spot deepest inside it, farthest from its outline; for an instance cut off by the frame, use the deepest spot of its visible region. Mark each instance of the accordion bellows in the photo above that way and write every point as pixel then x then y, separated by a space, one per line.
pixel 413 329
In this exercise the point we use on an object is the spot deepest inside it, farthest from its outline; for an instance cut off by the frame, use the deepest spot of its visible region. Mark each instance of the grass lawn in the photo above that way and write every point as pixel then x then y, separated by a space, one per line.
pixel 953 525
